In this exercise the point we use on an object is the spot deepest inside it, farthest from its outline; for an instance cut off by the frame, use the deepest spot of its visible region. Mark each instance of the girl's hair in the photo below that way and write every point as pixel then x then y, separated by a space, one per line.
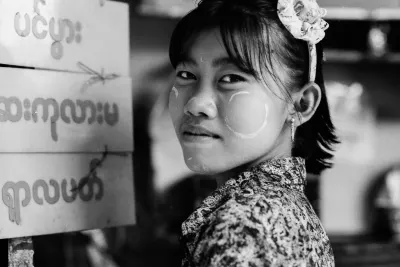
pixel 257 41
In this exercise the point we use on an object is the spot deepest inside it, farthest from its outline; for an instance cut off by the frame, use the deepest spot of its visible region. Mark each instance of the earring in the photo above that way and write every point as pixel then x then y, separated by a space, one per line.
pixel 292 121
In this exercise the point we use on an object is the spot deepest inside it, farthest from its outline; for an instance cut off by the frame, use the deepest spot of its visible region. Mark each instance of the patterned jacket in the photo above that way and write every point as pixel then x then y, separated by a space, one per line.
pixel 259 218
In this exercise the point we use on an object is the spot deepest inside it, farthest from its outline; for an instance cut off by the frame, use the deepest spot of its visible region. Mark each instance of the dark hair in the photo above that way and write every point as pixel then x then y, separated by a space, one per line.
pixel 252 34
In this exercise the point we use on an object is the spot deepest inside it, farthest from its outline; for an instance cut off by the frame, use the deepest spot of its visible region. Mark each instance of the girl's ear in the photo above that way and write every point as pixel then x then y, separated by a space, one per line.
pixel 307 101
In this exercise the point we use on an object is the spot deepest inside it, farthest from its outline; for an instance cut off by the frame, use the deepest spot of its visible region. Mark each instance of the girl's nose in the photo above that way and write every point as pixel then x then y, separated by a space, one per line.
pixel 201 106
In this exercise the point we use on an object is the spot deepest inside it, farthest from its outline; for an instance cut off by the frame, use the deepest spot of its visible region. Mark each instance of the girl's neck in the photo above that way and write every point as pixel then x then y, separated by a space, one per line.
pixel 223 177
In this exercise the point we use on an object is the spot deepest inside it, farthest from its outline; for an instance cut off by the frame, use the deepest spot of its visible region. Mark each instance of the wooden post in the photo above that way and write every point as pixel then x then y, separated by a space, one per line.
pixel 20 252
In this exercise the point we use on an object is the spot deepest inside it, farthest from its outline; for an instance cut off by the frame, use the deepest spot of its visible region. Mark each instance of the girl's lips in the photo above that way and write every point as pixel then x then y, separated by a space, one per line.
pixel 197 134
pixel 197 131
pixel 202 134
pixel 193 138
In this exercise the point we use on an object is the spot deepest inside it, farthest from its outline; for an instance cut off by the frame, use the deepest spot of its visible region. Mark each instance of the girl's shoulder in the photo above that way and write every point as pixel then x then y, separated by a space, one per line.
pixel 275 230
pixel 267 206
pixel 269 198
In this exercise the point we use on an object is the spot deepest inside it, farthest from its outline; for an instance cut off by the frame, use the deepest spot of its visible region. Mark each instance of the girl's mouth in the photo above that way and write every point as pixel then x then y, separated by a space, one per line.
pixel 197 134
pixel 200 134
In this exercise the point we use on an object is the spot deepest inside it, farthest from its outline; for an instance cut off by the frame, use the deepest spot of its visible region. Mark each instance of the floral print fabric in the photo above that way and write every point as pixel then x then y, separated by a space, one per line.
pixel 259 218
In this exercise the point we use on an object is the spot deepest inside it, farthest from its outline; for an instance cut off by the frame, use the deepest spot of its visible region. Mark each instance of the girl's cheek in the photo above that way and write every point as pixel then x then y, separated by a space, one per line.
pixel 175 106
pixel 175 91
pixel 246 115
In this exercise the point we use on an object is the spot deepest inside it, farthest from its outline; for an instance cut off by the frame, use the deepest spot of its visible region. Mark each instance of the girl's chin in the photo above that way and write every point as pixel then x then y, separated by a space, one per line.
pixel 200 167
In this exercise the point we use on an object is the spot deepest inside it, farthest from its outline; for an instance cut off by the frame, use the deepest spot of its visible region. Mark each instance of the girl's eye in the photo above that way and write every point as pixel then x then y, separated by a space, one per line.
pixel 232 78
pixel 185 75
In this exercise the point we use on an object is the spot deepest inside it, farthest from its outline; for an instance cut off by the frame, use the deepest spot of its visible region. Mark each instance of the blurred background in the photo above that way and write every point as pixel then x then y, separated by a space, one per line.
pixel 358 200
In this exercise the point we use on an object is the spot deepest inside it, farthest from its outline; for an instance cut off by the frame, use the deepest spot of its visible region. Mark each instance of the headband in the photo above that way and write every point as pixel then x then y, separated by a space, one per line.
pixel 303 19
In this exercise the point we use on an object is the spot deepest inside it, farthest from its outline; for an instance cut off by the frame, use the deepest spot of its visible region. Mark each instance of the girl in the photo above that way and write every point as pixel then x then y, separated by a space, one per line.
pixel 249 106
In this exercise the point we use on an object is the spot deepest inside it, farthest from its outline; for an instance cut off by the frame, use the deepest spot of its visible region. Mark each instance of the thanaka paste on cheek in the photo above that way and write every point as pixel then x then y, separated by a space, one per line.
pixel 173 95
pixel 175 91
pixel 247 115
pixel 175 106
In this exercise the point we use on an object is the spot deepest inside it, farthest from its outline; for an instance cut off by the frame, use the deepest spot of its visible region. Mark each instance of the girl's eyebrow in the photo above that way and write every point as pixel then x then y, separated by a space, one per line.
pixel 187 60
pixel 216 63
pixel 222 61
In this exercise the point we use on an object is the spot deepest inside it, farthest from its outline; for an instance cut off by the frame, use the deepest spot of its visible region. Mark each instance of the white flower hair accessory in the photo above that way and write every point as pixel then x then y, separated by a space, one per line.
pixel 303 19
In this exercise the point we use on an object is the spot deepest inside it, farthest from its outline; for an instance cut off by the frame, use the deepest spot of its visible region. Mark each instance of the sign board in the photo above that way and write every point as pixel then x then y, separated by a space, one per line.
pixel 57 34
pixel 65 117
pixel 50 111
pixel 52 193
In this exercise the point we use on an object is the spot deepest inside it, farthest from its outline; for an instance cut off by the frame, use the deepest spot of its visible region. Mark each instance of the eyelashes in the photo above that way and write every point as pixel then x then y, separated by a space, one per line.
pixel 185 75
pixel 225 79
pixel 232 78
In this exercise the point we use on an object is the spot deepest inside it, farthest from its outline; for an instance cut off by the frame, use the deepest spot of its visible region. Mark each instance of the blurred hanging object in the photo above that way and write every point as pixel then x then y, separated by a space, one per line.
pixel 97 249
pixel 377 40
pixel 388 198
pixel 166 8
pixel 354 117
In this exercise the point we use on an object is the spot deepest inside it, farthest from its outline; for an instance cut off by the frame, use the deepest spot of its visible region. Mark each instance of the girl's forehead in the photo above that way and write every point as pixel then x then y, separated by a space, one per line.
pixel 208 44
pixel 207 49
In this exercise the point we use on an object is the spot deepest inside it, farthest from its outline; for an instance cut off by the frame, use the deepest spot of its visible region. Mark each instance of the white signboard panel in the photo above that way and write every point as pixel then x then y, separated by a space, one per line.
pixel 49 111
pixel 57 34
pixel 53 193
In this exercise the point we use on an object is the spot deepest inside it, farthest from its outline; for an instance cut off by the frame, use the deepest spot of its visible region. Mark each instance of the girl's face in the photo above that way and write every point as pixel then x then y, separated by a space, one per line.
pixel 224 118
